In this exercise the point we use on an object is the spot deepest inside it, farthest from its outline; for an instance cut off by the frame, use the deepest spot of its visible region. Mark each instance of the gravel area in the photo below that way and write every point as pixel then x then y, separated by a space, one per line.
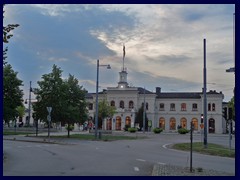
pixel 171 170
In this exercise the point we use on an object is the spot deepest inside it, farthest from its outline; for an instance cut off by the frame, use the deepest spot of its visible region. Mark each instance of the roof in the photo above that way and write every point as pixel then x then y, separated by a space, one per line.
pixel 193 95
pixel 141 91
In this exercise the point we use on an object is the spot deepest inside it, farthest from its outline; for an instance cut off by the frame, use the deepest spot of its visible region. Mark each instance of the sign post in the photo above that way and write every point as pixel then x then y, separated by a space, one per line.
pixel 49 109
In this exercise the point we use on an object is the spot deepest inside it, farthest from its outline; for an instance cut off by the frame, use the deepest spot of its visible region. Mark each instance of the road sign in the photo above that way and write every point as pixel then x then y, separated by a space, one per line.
pixel 49 118
pixel 149 123
pixel 49 109
pixel 202 125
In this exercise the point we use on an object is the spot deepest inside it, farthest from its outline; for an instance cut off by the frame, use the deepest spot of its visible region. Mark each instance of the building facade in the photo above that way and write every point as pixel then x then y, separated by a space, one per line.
pixel 166 110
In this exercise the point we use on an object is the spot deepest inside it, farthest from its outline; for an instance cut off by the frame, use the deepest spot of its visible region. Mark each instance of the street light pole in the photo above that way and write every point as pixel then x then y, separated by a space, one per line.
pixel 29 105
pixel 96 117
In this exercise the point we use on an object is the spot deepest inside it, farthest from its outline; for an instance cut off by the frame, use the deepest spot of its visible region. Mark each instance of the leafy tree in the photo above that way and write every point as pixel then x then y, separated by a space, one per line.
pixel 6 36
pixel 21 112
pixel 12 94
pixel 231 104
pixel 104 111
pixel 74 103
pixel 66 98
pixel 139 118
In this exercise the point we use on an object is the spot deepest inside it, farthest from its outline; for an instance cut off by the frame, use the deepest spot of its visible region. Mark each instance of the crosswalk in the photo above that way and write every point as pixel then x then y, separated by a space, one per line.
pixel 29 146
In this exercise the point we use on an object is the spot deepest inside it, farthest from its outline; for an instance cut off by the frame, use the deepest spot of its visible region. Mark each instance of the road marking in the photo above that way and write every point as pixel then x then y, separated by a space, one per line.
pixel 165 145
pixel 141 160
pixel 161 163
pixel 136 169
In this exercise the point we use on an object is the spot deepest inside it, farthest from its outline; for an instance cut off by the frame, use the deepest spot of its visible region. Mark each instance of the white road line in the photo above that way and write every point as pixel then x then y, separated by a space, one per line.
pixel 165 145
pixel 136 169
pixel 141 160
pixel 161 163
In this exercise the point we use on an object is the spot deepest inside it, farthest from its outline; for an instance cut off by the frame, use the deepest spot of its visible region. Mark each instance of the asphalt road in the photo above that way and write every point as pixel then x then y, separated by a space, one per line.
pixel 99 158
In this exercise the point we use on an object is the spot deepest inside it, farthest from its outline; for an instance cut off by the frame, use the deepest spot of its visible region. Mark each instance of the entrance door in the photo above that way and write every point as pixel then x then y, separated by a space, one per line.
pixel 211 128
pixel 118 123
pixel 109 124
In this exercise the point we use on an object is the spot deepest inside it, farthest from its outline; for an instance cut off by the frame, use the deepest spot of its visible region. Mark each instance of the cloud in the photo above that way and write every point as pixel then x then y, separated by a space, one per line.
pixel 56 59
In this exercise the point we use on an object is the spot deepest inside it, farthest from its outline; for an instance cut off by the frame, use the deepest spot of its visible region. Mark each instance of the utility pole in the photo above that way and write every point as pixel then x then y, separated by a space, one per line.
pixel 29 104
pixel 144 111
pixel 204 92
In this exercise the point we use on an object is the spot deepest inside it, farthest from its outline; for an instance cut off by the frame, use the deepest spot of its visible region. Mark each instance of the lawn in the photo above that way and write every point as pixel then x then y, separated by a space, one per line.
pixel 212 149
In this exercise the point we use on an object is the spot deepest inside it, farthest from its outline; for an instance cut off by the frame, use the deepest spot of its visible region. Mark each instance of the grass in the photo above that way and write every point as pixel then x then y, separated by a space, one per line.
pixel 212 149
pixel 16 133
pixel 103 138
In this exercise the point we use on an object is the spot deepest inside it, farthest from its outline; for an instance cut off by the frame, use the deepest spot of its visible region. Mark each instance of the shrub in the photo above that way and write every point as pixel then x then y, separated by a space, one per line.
pixel 126 127
pixel 69 127
pixel 157 130
pixel 132 130
pixel 183 131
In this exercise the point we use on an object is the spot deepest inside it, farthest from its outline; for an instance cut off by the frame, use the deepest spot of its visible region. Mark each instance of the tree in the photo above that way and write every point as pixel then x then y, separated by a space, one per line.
pixel 12 94
pixel 66 98
pixel 139 118
pixel 74 106
pixel 21 112
pixel 231 104
pixel 104 111
pixel 6 36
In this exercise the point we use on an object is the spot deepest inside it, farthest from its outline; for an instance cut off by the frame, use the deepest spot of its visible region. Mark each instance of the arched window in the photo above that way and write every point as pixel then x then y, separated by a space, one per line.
pixel 90 106
pixel 209 106
pixel 172 107
pixel 121 104
pixel 195 123
pixel 161 107
pixel 183 123
pixel 112 103
pixel 183 107
pixel 172 124
pixel 213 106
pixel 146 105
pixel 194 107
pixel 130 105
pixel 162 123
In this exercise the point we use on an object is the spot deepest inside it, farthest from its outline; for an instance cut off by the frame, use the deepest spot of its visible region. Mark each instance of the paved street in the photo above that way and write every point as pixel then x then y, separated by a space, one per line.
pixel 116 158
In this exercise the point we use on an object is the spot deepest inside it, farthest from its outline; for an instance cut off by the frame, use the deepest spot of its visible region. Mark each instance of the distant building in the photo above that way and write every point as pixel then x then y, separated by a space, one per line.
pixel 166 110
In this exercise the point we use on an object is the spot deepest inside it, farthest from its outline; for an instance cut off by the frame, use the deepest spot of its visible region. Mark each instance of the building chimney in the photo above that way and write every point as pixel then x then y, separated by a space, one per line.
pixel 158 90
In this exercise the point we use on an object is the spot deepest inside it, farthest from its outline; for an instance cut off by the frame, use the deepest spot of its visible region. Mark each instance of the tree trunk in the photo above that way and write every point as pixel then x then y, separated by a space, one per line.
pixel 68 131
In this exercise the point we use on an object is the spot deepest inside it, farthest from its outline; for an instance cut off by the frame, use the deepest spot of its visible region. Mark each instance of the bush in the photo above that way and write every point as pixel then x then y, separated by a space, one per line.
pixel 157 130
pixel 69 128
pixel 183 131
pixel 132 130
pixel 126 127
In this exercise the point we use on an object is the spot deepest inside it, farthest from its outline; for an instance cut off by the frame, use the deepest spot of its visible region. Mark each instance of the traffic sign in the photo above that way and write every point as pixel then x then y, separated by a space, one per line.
pixel 49 118
pixel 202 125
pixel 49 109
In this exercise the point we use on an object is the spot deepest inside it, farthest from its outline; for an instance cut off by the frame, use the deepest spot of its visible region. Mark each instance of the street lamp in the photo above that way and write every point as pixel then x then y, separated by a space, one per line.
pixel 96 117
pixel 29 104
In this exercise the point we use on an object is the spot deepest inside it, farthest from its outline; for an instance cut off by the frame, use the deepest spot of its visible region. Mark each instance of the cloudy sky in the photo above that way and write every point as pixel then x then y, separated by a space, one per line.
pixel 163 43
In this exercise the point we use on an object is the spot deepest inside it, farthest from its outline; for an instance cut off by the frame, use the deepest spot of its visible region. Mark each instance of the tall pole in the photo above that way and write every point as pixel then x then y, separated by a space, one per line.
pixel 96 117
pixel 205 97
pixel 144 111
pixel 29 104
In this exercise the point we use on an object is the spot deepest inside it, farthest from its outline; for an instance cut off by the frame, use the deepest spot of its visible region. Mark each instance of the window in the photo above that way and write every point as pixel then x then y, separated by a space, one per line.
pixel 172 124
pixel 90 106
pixel 183 123
pixel 112 103
pixel 172 107
pixel 195 124
pixel 130 105
pixel 161 107
pixel 183 107
pixel 145 105
pixel 213 107
pixel 121 105
pixel 209 107
pixel 194 107
pixel 162 123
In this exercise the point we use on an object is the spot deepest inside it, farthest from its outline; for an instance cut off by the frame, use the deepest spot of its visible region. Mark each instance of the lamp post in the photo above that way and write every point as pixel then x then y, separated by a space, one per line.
pixel 29 104
pixel 96 117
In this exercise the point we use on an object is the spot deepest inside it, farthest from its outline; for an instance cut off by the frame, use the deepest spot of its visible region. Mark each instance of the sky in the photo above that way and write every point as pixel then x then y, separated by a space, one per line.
pixel 163 44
